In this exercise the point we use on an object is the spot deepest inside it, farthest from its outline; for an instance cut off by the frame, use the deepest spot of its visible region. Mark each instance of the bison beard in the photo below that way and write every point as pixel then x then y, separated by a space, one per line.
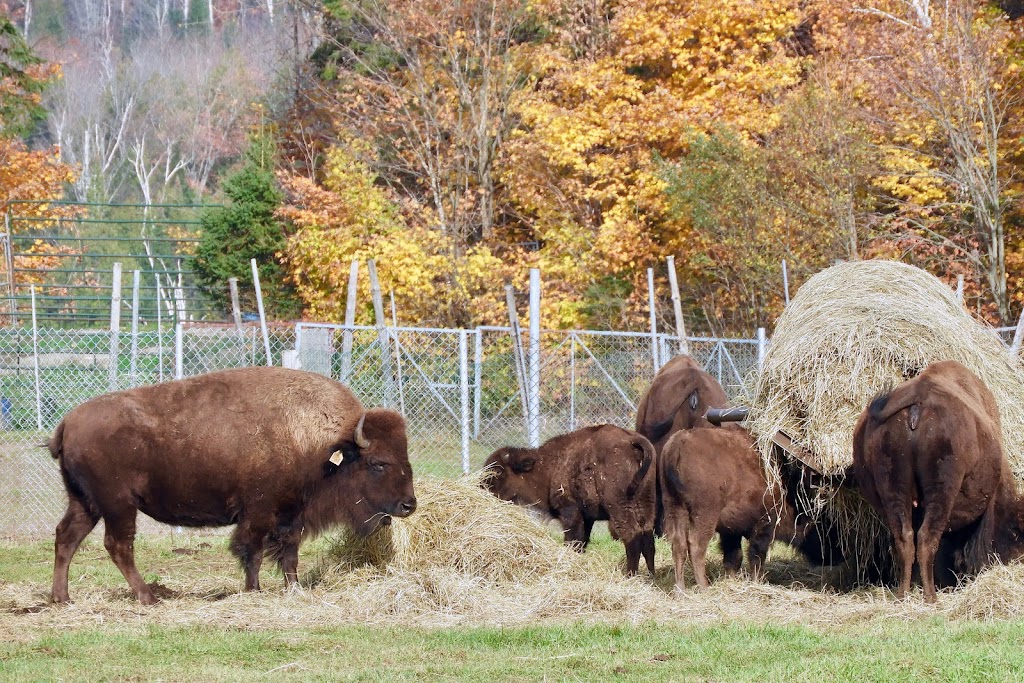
pixel 928 457
pixel 282 454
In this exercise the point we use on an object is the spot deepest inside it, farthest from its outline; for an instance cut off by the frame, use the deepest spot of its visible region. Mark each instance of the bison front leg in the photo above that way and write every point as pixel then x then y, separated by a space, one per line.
pixel 574 528
pixel 247 544
pixel 732 552
pixel 634 547
pixel 284 548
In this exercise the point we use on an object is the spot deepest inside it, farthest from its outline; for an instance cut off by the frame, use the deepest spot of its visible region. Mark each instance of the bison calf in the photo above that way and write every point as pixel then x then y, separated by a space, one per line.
pixel 928 457
pixel 713 480
pixel 281 454
pixel 592 474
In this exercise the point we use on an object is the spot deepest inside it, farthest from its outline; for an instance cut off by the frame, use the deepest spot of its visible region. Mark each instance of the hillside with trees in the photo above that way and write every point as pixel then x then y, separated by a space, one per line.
pixel 460 144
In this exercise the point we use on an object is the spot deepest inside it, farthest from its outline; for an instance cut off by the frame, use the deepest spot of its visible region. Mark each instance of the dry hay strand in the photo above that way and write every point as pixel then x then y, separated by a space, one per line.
pixel 852 331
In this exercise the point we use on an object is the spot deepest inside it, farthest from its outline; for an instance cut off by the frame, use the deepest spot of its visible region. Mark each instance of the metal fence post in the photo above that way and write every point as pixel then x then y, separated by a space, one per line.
pixel 159 331
pixel 134 358
pixel 9 262
pixel 572 383
pixel 35 363
pixel 478 356
pixel 464 395
pixel 115 324
pixel 762 344
pixel 350 321
pixel 179 351
pixel 533 434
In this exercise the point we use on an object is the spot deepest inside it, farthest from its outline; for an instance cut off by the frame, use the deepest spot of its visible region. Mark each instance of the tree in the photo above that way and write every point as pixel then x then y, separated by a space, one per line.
pixel 245 229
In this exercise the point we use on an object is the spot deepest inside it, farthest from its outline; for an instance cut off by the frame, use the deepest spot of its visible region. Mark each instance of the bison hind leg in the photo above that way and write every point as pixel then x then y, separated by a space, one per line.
pixel 119 541
pixel 78 521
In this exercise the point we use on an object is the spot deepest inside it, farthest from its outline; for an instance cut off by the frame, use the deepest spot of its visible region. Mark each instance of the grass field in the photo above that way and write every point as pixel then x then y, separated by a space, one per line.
pixel 790 628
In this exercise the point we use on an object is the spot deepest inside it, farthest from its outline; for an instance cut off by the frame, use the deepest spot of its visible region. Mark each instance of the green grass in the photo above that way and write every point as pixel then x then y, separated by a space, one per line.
pixel 63 643
pixel 930 651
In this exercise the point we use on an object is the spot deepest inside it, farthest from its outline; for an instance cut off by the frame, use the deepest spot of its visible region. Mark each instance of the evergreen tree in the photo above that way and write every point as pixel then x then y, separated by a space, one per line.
pixel 243 229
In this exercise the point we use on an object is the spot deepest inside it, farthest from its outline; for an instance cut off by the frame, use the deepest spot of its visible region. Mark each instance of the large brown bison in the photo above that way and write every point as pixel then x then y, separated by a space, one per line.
pixel 595 473
pixel 928 457
pixel 281 454
pixel 713 480
pixel 678 398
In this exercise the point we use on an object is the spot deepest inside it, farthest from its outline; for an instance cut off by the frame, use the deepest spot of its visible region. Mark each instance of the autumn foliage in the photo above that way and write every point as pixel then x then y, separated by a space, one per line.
pixel 608 136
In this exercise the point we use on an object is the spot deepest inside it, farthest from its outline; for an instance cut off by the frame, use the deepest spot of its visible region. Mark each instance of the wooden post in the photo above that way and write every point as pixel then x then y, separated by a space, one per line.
pixel 785 281
pixel 398 353
pixel 115 325
pixel 9 262
pixel 654 319
pixel 382 334
pixel 677 307
pixel 259 305
pixel 960 288
pixel 517 351
pixel 533 434
pixel 236 311
pixel 350 319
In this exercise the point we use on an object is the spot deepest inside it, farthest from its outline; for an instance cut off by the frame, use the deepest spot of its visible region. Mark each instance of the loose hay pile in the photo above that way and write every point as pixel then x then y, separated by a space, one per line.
pixel 852 331
pixel 462 528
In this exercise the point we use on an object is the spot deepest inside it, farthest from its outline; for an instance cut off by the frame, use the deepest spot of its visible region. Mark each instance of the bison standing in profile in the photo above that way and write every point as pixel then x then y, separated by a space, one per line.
pixel 678 398
pixel 595 473
pixel 713 480
pixel 281 454
pixel 928 457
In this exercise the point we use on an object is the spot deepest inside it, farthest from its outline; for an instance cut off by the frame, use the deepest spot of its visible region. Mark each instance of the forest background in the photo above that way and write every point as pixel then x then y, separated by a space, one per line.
pixel 460 143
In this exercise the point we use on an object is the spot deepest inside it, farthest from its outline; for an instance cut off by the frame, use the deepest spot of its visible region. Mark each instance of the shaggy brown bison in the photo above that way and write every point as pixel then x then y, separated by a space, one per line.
pixel 928 457
pixel 678 398
pixel 713 480
pixel 280 453
pixel 595 473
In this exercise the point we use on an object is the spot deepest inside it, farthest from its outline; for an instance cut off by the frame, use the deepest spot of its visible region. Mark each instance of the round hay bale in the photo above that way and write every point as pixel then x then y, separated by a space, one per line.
pixel 852 331
pixel 856 329
pixel 462 529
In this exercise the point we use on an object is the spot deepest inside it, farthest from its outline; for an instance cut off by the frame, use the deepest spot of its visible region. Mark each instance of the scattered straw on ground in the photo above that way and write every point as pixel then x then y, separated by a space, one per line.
pixel 447 567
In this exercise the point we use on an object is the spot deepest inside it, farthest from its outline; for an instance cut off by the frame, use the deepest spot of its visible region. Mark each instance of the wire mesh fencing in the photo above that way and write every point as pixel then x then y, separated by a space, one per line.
pixel 463 392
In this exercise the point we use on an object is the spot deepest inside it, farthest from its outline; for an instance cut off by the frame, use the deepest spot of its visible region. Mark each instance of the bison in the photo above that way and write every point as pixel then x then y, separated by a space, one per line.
pixel 928 457
pixel 596 473
pixel 713 480
pixel 678 398
pixel 282 454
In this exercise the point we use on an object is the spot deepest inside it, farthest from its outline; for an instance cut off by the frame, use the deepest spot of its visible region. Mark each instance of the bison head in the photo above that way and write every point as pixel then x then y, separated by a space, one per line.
pixel 373 467
pixel 512 474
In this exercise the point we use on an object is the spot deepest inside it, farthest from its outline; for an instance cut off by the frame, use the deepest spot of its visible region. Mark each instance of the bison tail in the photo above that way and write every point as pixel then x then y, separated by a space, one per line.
pixel 647 449
pixel 980 546
pixel 56 444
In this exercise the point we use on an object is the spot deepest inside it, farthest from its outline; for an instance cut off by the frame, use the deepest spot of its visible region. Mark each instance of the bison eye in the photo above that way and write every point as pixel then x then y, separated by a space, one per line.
pixel 378 466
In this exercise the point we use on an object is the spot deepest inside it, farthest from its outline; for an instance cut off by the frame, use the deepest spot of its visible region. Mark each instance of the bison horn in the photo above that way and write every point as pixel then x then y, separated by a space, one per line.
pixel 360 438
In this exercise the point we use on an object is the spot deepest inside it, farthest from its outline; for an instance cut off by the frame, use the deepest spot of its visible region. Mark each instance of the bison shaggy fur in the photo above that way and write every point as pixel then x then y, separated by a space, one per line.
pixel 281 454
pixel 596 473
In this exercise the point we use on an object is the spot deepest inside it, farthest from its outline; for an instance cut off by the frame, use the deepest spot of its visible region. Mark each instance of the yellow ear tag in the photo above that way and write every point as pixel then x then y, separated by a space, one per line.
pixel 337 457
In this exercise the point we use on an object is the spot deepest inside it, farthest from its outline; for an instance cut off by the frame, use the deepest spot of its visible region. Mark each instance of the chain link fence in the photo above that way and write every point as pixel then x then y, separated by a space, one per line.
pixel 461 391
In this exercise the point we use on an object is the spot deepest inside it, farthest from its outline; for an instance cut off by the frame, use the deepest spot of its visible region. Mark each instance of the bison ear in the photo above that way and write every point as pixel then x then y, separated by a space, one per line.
pixel 523 466
pixel 694 399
